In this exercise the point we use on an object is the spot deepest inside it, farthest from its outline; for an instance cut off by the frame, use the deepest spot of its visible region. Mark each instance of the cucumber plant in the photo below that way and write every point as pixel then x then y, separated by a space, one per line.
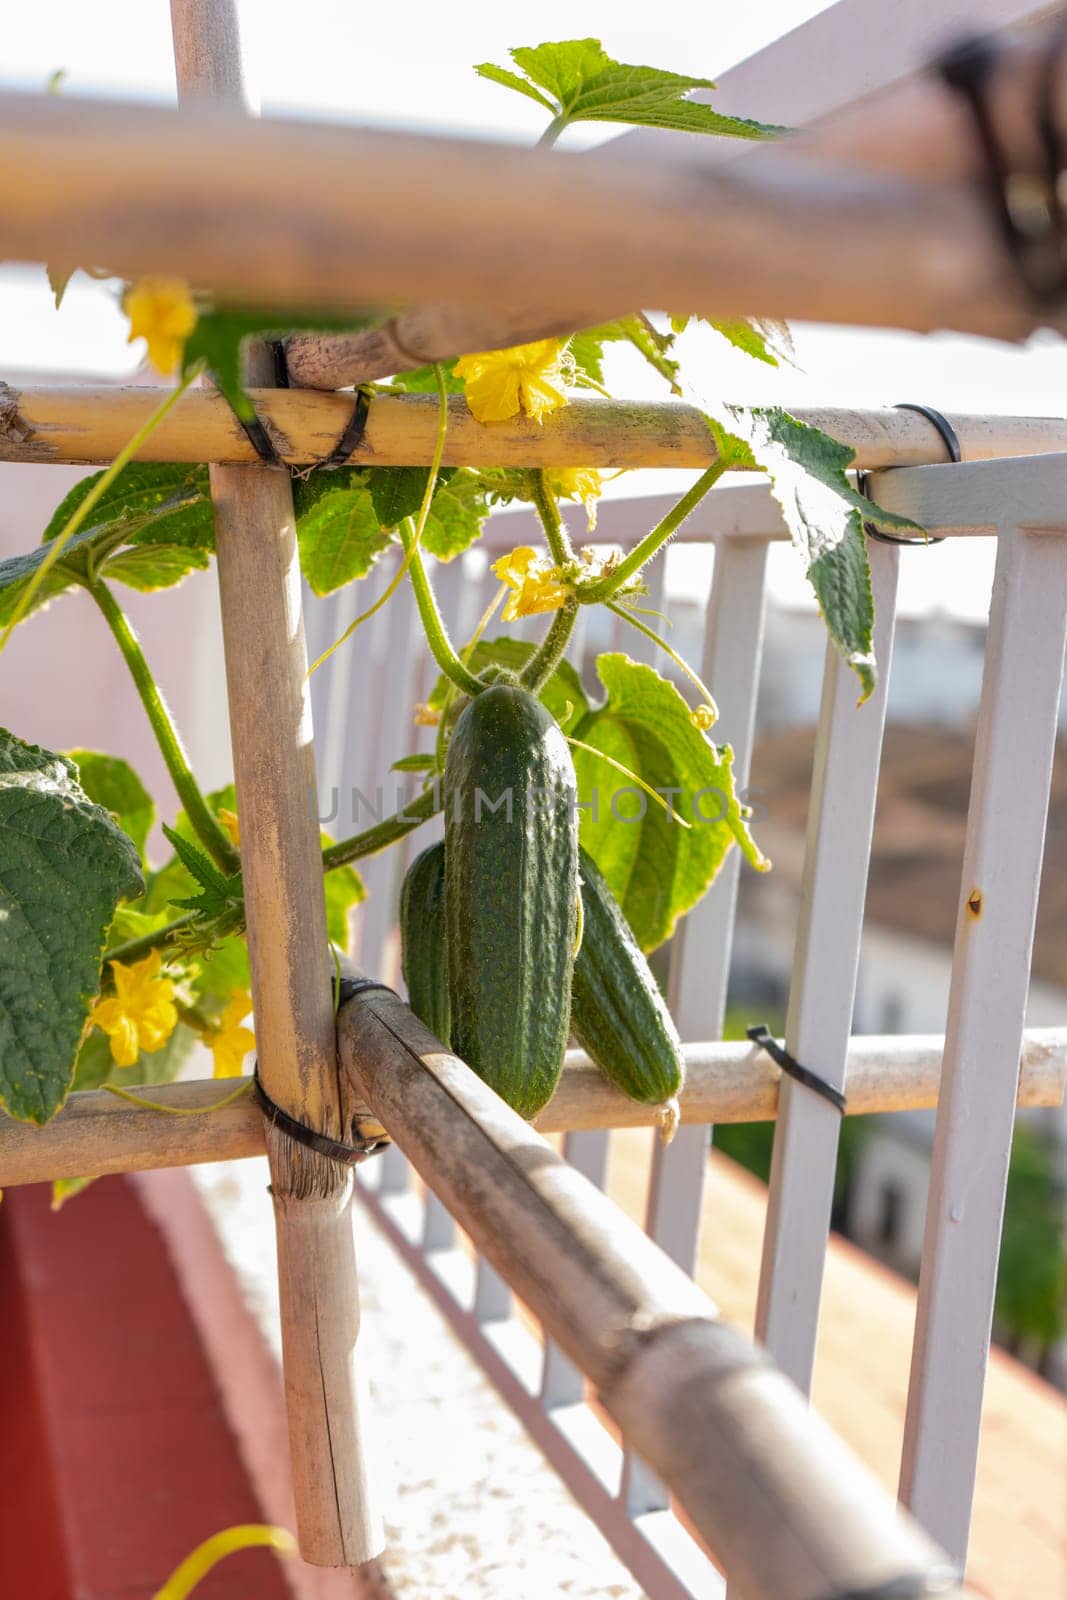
pixel 110 964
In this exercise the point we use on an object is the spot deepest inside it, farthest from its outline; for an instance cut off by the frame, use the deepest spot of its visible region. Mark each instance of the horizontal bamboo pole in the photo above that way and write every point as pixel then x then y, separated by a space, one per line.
pixel 343 219
pixel 96 1133
pixel 75 425
pixel 787 1511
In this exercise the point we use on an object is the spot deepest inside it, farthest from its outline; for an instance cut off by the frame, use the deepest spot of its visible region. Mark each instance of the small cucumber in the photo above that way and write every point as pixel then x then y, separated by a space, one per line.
pixel 618 1014
pixel 511 886
pixel 424 955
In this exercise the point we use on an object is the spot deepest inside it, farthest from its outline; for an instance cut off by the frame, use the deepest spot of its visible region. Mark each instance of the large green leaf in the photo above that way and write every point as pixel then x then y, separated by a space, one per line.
pixel 161 501
pixel 457 513
pixel 64 865
pixel 112 783
pixel 157 502
pixel 581 83
pixel 338 530
pixel 824 512
pixel 656 868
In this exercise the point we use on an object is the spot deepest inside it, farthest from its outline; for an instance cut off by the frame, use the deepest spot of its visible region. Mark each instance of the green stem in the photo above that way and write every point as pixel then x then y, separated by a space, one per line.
pixel 203 819
pixel 553 131
pixel 384 833
pixel 99 488
pixel 604 588
pixel 441 646
pixel 556 534
pixel 549 653
pixel 137 949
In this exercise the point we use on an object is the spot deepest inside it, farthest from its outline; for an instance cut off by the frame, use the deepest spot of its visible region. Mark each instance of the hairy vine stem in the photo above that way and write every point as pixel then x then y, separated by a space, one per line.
pixel 642 552
pixel 209 830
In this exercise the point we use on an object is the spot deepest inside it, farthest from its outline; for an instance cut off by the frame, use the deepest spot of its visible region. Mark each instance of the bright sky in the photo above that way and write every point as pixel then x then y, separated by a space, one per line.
pixel 410 64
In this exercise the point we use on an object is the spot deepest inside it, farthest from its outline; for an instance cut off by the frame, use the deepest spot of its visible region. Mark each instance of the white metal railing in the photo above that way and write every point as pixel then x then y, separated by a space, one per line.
pixel 1022 503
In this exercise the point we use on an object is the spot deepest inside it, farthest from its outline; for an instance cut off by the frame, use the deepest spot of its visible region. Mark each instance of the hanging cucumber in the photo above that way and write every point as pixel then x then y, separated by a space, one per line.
pixel 424 955
pixel 618 1014
pixel 511 885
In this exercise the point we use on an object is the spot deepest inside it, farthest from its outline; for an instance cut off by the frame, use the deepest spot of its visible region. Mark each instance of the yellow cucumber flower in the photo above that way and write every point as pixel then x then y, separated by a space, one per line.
pixel 141 1014
pixel 426 716
pixel 534 582
pixel 501 383
pixel 231 1042
pixel 161 311
pixel 233 827
pixel 578 483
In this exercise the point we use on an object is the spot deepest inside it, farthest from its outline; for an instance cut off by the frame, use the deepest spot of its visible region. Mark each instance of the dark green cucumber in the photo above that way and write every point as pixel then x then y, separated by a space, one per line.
pixel 511 887
pixel 618 1015
pixel 424 954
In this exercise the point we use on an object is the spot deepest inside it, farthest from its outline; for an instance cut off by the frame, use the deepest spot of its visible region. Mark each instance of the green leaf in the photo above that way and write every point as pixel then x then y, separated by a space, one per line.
pixel 458 511
pixel 563 688
pixel 423 380
pixel 157 501
pixel 344 889
pixel 219 335
pixel 417 763
pixel 149 567
pixel 172 883
pixel 511 80
pixel 147 502
pixel 763 338
pixel 656 868
pixel 584 84
pixel 112 783
pixel 95 1065
pixel 824 512
pixel 64 865
pixel 397 492
pixel 222 969
pixel 338 531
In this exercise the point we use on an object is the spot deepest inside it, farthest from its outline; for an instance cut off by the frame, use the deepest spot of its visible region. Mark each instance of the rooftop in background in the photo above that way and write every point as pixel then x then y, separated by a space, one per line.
pixel 917 854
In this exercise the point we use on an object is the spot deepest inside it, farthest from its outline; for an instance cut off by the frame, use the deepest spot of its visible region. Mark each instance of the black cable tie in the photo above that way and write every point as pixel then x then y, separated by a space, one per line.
pixel 955 454
pixel 260 440
pixel 348 988
pixel 349 1155
pixel 908 1586
pixel 761 1035
pixel 351 438
pixel 1026 208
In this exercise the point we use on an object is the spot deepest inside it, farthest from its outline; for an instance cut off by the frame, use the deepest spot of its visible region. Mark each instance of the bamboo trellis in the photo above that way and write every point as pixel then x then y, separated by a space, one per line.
pixel 791 1514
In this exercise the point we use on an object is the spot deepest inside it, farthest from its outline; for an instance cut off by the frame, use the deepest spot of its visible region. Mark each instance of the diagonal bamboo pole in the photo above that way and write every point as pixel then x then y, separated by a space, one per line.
pixel 75 424
pixel 97 1133
pixel 270 719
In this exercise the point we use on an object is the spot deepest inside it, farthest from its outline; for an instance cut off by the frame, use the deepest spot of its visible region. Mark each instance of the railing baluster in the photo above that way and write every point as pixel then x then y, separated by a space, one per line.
pixel 822 994
pixel 700 958
pixel 562 1383
pixel 1006 820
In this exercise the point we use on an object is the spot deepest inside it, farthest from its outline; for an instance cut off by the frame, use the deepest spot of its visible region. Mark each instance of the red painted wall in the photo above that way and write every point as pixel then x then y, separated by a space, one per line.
pixel 115 1455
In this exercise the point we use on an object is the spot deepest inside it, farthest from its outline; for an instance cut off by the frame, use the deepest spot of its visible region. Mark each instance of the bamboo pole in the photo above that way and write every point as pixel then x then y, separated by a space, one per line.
pixel 96 1134
pixel 81 425
pixel 345 219
pixel 778 1499
pixel 274 770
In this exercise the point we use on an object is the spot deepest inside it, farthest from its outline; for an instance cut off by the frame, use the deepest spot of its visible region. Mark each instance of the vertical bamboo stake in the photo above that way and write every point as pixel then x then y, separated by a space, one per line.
pixel 273 755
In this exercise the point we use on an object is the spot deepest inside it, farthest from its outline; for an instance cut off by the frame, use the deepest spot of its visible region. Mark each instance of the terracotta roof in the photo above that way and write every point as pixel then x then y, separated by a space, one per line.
pixel 917 856
pixel 1019 1537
